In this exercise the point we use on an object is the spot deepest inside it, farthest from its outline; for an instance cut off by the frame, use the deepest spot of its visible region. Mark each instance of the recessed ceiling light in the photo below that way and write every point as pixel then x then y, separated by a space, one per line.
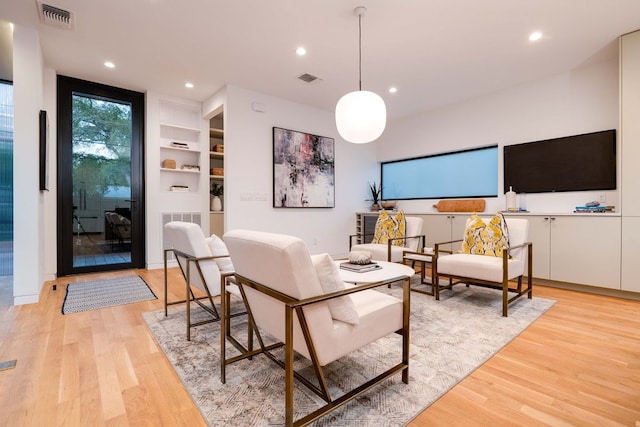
pixel 188 85
pixel 301 51
pixel 393 89
pixel 109 64
pixel 535 36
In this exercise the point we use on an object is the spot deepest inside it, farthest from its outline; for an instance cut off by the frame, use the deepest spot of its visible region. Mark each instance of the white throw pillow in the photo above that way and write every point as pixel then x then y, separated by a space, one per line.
pixel 218 248
pixel 341 308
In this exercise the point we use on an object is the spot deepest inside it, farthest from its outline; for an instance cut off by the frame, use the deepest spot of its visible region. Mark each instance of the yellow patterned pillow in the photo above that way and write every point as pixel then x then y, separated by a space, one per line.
pixel 390 227
pixel 486 239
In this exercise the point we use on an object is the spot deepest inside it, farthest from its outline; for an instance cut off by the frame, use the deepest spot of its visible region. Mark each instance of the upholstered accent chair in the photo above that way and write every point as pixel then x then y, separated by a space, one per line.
pixel 205 265
pixel 285 289
pixel 513 262
pixel 392 249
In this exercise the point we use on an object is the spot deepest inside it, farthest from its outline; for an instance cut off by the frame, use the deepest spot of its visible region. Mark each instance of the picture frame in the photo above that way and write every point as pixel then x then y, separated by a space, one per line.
pixel 303 170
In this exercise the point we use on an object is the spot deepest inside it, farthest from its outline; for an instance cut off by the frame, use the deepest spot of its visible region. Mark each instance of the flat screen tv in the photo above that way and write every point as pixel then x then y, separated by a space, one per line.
pixel 573 163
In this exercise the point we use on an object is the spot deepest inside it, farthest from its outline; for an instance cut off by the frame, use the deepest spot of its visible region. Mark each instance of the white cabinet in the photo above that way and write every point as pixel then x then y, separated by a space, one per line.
pixel 576 249
pixel 630 275
pixel 629 123
pixel 444 228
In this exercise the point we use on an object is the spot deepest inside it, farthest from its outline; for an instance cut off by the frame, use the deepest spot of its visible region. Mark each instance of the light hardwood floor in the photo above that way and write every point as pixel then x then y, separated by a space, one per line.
pixel 579 365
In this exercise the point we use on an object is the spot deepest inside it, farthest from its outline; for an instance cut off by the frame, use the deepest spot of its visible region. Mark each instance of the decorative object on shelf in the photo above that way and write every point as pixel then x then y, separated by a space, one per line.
pixel 217 171
pixel 216 191
pixel 176 144
pixel 375 195
pixel 190 167
pixel 461 205
pixel 511 199
pixel 218 148
pixel 169 164
pixel 360 257
pixel 360 115
pixel 303 170
pixel 179 188
pixel 388 204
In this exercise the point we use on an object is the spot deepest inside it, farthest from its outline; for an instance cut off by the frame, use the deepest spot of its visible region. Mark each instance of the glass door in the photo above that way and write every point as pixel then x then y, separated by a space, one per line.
pixel 100 221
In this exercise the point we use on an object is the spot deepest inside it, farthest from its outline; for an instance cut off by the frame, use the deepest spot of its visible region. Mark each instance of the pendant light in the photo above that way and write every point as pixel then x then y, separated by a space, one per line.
pixel 361 115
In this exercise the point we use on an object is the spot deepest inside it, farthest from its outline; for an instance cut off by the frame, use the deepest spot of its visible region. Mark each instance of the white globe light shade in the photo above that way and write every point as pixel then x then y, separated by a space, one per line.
pixel 361 116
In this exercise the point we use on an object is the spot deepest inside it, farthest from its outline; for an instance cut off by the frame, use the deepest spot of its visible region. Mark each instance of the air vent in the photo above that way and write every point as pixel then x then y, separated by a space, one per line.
pixel 54 16
pixel 308 78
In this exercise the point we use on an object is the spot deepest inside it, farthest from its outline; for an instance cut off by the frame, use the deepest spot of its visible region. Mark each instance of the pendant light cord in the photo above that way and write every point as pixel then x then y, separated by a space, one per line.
pixel 360 52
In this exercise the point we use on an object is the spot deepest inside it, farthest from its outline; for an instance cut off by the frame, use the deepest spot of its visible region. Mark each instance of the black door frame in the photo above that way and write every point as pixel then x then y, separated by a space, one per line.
pixel 66 86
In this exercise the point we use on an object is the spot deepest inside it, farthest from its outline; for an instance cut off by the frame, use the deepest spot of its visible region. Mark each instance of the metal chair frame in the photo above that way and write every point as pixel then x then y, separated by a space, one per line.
pixel 294 305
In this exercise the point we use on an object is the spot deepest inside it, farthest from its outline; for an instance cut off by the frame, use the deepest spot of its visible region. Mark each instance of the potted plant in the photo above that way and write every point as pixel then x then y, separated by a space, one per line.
pixel 375 195
pixel 216 192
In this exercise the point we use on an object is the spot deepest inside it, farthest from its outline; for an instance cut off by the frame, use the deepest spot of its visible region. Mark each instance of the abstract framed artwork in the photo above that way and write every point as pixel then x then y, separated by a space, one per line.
pixel 303 170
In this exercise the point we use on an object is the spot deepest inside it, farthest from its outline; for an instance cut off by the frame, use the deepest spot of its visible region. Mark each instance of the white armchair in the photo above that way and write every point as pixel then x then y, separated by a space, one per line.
pixel 205 265
pixel 283 289
pixel 487 270
pixel 390 251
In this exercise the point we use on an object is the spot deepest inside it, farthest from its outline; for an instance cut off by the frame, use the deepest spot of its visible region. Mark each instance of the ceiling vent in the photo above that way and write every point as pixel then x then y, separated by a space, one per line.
pixel 54 16
pixel 308 78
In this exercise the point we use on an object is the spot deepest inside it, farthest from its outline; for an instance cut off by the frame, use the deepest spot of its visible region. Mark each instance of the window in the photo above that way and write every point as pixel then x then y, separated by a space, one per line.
pixel 467 173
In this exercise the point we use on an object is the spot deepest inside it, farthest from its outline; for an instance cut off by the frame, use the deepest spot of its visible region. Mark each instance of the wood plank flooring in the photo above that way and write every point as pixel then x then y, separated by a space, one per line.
pixel 578 365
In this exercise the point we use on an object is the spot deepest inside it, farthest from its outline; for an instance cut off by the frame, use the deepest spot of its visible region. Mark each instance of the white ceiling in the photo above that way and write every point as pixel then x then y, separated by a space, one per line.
pixel 435 52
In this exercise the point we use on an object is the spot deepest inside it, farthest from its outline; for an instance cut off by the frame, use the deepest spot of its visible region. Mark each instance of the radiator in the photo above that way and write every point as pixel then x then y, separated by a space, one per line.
pixel 194 217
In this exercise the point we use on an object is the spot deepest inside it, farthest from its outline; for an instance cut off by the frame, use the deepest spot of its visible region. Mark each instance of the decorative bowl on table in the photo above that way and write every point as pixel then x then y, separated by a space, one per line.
pixel 388 204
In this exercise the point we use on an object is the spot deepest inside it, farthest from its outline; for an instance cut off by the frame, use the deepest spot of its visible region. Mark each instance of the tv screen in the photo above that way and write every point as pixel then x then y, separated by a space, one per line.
pixel 573 163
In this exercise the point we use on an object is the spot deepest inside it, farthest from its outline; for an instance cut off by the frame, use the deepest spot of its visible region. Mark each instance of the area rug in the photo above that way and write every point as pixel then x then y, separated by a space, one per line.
pixel 105 293
pixel 450 338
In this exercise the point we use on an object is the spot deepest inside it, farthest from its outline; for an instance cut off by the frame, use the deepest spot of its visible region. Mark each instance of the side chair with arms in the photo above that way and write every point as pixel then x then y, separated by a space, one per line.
pixel 285 290
pixel 205 264
pixel 512 263
pixel 392 249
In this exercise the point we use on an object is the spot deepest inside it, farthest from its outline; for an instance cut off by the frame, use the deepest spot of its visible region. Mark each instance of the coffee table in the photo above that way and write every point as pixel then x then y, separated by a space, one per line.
pixel 389 270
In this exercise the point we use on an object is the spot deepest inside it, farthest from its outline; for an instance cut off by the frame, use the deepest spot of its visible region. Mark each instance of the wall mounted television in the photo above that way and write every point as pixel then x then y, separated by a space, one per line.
pixel 573 163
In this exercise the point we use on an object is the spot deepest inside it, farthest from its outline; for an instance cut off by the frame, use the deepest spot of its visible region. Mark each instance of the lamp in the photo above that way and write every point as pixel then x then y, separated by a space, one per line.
pixel 360 115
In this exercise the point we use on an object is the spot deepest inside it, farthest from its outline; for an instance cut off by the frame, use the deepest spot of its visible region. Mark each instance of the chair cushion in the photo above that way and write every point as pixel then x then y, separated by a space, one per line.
pixel 485 238
pixel 479 267
pixel 390 227
pixel 341 308
pixel 218 248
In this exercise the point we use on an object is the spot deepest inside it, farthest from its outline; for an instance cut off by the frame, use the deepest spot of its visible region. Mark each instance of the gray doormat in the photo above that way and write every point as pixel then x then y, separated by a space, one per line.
pixel 450 338
pixel 105 293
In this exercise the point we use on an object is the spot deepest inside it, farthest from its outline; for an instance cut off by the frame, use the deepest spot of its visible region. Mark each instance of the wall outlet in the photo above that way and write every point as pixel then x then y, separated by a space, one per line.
pixel 602 198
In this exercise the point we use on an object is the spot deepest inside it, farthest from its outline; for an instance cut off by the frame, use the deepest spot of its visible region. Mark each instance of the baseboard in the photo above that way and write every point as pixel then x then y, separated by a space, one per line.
pixel 618 293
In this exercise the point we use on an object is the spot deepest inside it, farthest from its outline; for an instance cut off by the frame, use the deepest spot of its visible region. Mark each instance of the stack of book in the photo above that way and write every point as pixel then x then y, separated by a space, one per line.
pixel 180 188
pixel 359 268
pixel 177 144
pixel 590 209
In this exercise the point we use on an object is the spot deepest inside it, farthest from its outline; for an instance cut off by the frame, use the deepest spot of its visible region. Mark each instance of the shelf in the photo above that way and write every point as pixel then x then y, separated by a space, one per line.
pixel 216 212
pixel 179 170
pixel 216 177
pixel 216 133
pixel 216 155
pixel 185 150
pixel 180 127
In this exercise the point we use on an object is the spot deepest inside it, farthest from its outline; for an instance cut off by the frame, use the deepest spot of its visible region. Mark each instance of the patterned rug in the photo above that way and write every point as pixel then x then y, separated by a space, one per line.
pixel 105 293
pixel 449 340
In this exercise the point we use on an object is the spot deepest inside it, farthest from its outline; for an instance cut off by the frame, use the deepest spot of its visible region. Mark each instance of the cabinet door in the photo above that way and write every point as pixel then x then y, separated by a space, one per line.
pixel 539 229
pixel 630 275
pixel 437 228
pixel 586 250
pixel 630 125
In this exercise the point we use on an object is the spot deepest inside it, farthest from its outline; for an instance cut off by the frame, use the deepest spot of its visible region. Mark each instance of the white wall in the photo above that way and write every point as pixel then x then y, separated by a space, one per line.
pixel 50 219
pixel 583 100
pixel 249 169
pixel 28 211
